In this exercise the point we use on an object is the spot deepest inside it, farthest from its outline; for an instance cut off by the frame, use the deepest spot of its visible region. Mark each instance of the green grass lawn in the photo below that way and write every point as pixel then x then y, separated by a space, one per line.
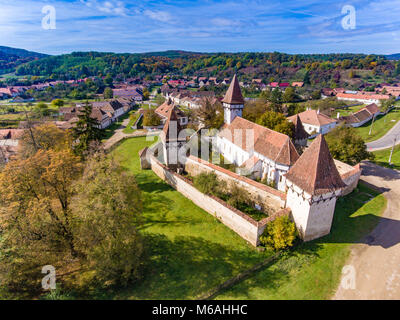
pixel 190 251
pixel 132 121
pixel 382 158
pixel 350 110
pixel 380 127
pixel 109 132
pixel 313 270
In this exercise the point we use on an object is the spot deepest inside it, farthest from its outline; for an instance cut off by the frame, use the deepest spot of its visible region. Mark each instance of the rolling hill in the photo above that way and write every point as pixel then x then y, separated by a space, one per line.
pixel 11 58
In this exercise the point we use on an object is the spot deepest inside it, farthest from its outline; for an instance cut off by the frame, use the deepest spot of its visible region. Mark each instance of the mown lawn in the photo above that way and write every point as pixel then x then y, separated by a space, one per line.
pixel 382 158
pixel 132 120
pixel 350 110
pixel 313 270
pixel 190 251
pixel 381 126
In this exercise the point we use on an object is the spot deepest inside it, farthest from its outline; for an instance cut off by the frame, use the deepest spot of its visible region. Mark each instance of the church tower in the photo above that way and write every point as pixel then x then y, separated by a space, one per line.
pixel 233 102
pixel 172 140
pixel 313 186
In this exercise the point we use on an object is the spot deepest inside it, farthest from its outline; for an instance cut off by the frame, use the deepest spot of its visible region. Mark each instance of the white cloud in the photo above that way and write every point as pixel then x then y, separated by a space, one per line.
pixel 162 16
pixel 111 7
pixel 222 22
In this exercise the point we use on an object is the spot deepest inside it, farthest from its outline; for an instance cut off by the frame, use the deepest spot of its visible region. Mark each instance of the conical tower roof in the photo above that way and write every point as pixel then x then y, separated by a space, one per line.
pixel 172 126
pixel 315 172
pixel 234 93
pixel 299 132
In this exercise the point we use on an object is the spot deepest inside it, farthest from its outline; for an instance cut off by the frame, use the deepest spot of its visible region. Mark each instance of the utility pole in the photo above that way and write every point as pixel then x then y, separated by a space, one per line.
pixel 391 152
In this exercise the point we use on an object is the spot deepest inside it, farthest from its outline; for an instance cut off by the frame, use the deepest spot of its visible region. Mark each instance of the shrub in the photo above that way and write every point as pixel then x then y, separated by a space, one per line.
pixel 239 197
pixel 151 119
pixel 279 234
pixel 208 183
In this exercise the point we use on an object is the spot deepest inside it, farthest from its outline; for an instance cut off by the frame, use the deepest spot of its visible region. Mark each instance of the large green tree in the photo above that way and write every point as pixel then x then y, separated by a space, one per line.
pixel 347 146
pixel 107 213
pixel 86 132
pixel 276 121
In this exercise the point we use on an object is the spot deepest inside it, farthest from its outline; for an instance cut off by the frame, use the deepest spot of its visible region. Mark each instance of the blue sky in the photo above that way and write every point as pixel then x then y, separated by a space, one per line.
pixel 304 26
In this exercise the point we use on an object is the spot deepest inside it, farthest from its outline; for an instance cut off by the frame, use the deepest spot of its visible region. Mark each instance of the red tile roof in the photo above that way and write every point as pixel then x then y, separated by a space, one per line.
pixel 363 96
pixel 313 117
pixel 166 107
pixel 315 172
pixel 234 94
pixel 172 126
pixel 299 132
pixel 271 144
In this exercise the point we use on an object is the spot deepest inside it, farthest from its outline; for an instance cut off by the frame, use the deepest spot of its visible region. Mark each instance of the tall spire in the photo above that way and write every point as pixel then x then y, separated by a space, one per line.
pixel 234 93
pixel 315 172
pixel 172 126
pixel 299 131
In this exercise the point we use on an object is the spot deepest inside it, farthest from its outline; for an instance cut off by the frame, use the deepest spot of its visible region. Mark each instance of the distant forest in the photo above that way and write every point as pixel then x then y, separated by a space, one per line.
pixel 318 70
pixel 11 58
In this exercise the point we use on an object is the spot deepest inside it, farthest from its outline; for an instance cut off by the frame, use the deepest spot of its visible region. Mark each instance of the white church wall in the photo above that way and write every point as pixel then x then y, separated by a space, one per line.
pixel 313 217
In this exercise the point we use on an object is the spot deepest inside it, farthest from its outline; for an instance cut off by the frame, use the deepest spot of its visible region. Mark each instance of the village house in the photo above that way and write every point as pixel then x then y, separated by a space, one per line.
pixel 363 97
pixel 297 84
pixel 362 116
pixel 128 93
pixel 315 122
pixel 164 110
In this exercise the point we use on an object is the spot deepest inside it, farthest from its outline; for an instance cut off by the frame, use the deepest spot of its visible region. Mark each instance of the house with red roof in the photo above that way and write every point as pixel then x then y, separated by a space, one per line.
pixel 363 97
pixel 315 122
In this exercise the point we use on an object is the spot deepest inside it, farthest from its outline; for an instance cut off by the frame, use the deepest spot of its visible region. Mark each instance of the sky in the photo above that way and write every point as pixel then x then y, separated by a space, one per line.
pixel 302 26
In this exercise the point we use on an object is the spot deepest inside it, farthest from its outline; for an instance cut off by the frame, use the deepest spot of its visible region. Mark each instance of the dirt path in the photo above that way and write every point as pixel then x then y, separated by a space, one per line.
pixel 377 260
pixel 120 135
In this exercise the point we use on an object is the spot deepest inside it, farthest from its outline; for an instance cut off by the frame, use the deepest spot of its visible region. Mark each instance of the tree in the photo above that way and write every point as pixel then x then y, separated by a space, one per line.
pixel 289 95
pixel 108 93
pixel 35 216
pixel 41 109
pixel 86 131
pixel 316 95
pixel 239 197
pixel 210 114
pixel 254 110
pixel 387 104
pixel 208 183
pixel 277 122
pixel 279 234
pixel 58 103
pixel 347 146
pixel 107 215
pixel 151 119
pixel 43 137
pixel 146 94
pixel 108 80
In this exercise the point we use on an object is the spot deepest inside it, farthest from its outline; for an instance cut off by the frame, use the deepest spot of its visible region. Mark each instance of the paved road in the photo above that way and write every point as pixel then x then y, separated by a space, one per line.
pixel 377 258
pixel 387 140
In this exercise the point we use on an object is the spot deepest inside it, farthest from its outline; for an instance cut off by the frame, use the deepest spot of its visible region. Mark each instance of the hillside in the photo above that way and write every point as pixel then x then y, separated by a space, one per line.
pixel 395 56
pixel 321 70
pixel 10 58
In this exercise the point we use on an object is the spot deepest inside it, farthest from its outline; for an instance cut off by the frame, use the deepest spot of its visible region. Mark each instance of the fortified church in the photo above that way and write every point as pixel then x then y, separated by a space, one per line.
pixel 311 181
